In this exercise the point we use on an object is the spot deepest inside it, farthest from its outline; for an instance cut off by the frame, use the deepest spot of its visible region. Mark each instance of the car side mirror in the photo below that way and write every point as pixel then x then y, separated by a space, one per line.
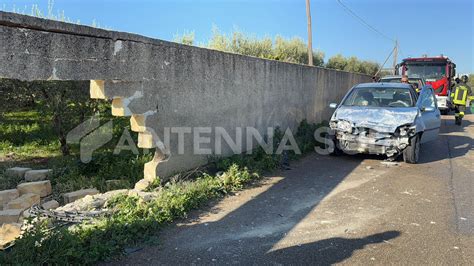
pixel 333 105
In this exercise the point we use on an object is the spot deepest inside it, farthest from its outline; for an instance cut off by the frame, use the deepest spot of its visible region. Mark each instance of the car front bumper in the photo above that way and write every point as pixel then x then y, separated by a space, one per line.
pixel 386 144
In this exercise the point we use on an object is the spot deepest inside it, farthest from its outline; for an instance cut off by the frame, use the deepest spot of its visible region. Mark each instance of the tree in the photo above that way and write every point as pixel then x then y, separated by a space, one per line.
pixel 352 64
pixel 295 50
pixel 66 102
pixel 337 62
pixel 187 38
pixel 69 104
pixel 292 50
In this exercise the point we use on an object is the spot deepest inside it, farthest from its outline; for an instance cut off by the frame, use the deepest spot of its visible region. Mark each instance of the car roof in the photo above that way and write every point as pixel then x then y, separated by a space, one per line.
pixel 383 85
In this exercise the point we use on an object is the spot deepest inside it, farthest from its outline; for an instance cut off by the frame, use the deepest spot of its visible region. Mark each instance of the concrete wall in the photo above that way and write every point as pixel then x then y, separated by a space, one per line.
pixel 173 85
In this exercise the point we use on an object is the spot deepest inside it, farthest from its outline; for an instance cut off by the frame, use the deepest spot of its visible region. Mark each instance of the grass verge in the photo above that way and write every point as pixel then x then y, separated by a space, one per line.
pixel 134 220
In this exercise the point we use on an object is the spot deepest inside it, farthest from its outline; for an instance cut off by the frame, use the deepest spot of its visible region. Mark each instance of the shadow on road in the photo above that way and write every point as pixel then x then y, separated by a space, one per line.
pixel 453 139
pixel 327 251
pixel 254 226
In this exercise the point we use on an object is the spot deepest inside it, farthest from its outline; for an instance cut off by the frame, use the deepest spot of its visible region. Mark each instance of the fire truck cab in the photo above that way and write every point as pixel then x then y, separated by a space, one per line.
pixel 437 71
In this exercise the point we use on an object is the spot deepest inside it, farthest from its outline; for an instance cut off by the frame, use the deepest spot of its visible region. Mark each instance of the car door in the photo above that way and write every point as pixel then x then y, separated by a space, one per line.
pixel 430 114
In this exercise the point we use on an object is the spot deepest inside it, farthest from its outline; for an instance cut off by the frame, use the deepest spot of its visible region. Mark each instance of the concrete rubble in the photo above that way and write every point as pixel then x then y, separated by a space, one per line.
pixel 37 175
pixel 49 205
pixel 75 195
pixel 24 202
pixel 10 216
pixel 42 188
pixel 8 233
pixel 17 172
pixel 7 196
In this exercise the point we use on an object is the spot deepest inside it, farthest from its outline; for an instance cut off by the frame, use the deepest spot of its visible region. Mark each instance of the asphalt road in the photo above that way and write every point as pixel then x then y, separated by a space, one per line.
pixel 349 209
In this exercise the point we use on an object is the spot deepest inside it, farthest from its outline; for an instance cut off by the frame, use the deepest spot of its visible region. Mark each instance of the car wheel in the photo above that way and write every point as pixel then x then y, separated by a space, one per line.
pixel 412 153
pixel 336 151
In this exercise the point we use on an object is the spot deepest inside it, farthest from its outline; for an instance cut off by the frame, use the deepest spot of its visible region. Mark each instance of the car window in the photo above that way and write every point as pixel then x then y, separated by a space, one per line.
pixel 380 97
pixel 427 99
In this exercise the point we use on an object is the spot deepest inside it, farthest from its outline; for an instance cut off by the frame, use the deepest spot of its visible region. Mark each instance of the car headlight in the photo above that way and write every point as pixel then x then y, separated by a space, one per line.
pixel 407 131
pixel 344 126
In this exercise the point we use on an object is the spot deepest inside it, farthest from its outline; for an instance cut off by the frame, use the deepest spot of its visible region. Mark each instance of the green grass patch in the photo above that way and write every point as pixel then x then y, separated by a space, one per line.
pixel 27 134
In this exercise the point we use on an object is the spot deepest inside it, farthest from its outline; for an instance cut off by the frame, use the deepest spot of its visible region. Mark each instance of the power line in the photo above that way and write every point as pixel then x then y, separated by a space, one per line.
pixel 370 27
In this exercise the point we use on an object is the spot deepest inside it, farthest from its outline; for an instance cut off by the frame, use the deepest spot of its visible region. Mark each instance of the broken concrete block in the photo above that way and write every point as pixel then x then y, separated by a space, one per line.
pixel 145 140
pixel 8 233
pixel 23 202
pixel 42 188
pixel 7 196
pixel 17 172
pixel 73 196
pixel 119 107
pixel 49 205
pixel 37 175
pixel 137 123
pixel 97 89
pixel 10 216
pixel 142 184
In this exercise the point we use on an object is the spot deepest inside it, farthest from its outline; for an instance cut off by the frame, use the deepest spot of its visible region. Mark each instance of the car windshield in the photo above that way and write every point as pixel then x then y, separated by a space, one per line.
pixel 379 97
pixel 429 71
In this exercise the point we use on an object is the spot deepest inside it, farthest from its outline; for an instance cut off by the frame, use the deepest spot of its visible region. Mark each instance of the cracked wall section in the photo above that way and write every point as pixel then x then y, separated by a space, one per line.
pixel 159 84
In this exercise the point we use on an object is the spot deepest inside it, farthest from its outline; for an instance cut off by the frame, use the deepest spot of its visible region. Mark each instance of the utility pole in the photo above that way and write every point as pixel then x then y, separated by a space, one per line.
pixel 395 57
pixel 310 36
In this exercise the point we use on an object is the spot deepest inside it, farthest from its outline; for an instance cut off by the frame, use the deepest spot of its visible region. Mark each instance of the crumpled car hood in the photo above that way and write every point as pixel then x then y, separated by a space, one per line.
pixel 379 119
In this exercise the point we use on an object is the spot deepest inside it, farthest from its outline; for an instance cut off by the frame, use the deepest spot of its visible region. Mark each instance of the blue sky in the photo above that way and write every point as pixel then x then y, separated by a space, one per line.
pixel 430 27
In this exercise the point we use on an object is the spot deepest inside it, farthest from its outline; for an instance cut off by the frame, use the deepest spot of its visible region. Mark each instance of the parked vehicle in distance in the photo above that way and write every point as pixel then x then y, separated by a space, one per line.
pixel 387 119
pixel 417 82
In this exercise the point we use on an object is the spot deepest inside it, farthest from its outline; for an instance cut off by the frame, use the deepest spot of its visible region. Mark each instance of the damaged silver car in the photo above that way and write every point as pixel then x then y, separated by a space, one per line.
pixel 386 119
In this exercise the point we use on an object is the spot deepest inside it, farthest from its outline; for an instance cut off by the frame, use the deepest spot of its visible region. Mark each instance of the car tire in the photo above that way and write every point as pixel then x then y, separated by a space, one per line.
pixel 336 151
pixel 412 153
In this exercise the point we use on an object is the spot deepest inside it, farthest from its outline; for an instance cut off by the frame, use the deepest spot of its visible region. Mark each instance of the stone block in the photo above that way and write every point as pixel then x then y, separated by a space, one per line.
pixel 10 216
pixel 142 184
pixel 137 123
pixel 42 188
pixel 97 89
pixel 8 233
pixel 17 172
pixel 145 140
pixel 37 175
pixel 23 202
pixel 75 195
pixel 49 205
pixel 7 196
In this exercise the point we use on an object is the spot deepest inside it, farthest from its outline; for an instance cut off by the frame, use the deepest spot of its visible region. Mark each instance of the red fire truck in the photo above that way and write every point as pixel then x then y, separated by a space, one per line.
pixel 437 71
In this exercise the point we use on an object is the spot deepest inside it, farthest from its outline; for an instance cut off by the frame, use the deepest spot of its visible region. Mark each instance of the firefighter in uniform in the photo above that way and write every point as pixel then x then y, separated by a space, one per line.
pixel 462 95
